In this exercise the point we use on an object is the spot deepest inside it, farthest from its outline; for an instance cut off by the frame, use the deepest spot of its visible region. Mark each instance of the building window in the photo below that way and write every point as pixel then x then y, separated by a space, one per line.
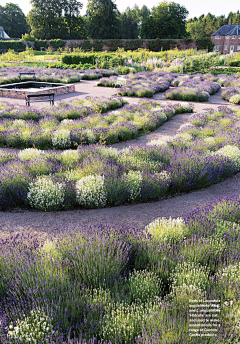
pixel 217 37
pixel 238 47
pixel 233 37
pixel 226 47
pixel 227 37
pixel 217 47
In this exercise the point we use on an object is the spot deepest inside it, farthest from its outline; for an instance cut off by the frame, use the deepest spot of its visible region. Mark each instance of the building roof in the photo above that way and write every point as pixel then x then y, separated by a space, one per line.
pixel 226 30
pixel 3 33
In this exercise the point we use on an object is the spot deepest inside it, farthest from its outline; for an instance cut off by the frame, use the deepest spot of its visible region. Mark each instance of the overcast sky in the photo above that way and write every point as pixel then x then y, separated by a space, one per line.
pixel 195 8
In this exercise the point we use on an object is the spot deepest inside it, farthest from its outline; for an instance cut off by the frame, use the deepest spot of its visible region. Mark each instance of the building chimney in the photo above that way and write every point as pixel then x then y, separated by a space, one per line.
pixel 230 22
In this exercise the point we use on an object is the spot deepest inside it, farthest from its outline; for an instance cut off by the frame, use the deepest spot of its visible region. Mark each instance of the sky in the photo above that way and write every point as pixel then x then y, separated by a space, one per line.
pixel 195 8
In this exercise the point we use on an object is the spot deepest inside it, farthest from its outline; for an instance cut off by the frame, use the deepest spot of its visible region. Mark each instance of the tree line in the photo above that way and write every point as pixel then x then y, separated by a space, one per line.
pixel 52 19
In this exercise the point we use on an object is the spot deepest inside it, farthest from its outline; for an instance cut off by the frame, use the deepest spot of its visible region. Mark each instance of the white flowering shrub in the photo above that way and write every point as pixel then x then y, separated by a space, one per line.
pixel 190 273
pixel 186 106
pixel 183 293
pixel 162 141
pixel 30 153
pixel 184 136
pixel 209 140
pixel 46 195
pixel 168 230
pixel 91 136
pixel 231 272
pixel 61 138
pixel 124 322
pixel 90 191
pixel 235 99
pixel 18 123
pixel 69 157
pixel 232 152
pixel 34 328
pixel 144 285
pixel 134 184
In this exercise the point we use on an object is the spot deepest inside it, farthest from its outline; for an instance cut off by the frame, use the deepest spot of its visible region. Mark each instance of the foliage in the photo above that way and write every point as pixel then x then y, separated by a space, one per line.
pixel 13 20
pixel 57 43
pixel 52 19
pixel 204 43
pixel 102 19
pixel 167 21
pixel 39 44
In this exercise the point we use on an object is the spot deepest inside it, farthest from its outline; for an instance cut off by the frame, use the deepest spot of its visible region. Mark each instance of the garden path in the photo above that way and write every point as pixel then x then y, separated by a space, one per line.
pixel 138 215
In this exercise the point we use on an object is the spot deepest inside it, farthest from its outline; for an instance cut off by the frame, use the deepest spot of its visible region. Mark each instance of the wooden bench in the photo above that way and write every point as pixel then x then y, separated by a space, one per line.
pixel 49 96
pixel 33 74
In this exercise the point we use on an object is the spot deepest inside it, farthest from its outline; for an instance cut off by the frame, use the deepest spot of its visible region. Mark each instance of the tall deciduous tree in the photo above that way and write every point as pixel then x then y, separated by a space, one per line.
pixel 130 21
pixel 54 18
pixel 103 19
pixel 168 21
pixel 13 20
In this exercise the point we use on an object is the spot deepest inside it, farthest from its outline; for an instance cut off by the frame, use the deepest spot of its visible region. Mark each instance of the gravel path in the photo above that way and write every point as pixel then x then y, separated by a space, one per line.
pixel 138 215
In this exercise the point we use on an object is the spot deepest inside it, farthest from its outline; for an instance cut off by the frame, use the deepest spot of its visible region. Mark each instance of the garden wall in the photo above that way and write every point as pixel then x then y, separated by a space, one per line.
pixel 129 44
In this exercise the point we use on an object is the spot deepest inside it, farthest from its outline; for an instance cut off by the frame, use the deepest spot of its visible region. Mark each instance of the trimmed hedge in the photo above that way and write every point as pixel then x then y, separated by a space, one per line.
pixel 6 45
pixel 57 43
pixel 38 44
pixel 89 58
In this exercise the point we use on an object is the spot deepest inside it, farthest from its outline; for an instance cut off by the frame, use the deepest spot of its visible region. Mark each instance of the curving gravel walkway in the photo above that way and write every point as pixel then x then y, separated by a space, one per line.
pixel 138 215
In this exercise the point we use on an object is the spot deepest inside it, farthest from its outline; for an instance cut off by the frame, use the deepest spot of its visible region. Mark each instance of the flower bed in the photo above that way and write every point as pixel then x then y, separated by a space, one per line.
pixel 141 84
pixel 115 284
pixel 9 75
pixel 204 152
pixel 197 87
pixel 68 126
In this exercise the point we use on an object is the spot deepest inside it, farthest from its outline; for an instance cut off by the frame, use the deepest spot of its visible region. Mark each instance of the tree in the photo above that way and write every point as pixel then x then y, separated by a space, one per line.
pixel 13 20
pixel 54 18
pixel 103 19
pixel 167 21
pixel 130 21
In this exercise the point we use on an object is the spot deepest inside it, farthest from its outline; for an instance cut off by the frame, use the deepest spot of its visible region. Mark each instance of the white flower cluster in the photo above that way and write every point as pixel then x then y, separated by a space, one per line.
pixel 32 329
pixel 182 293
pixel 162 141
pixel 46 195
pixel 67 122
pixel 186 106
pixel 61 138
pixel 134 184
pixel 231 152
pixel 90 136
pixel 144 285
pixel 184 136
pixel 90 191
pixel 190 273
pixel 232 272
pixel 235 99
pixel 70 156
pixel 30 153
pixel 124 322
pixel 209 139
pixel 167 230
pixel 18 123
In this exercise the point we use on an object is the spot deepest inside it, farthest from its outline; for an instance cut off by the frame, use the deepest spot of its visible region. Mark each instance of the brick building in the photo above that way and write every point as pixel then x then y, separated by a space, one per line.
pixel 227 39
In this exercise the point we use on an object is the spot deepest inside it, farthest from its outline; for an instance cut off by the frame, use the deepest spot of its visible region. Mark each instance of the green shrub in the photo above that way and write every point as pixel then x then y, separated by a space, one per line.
pixel 57 43
pixel 38 44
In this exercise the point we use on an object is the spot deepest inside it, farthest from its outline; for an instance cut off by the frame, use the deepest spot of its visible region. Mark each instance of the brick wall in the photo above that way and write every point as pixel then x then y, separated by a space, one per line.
pixel 179 42
pixel 223 43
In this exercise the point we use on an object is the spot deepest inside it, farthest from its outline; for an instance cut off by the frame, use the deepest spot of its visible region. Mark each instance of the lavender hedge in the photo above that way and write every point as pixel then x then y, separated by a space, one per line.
pixel 10 74
pixel 83 122
pixel 203 152
pixel 116 284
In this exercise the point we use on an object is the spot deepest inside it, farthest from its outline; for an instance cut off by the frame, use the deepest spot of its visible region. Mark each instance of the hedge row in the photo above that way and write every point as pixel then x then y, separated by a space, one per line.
pixel 90 58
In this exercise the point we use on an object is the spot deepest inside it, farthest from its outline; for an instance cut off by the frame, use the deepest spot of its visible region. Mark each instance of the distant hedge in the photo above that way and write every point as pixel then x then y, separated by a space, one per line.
pixel 38 44
pixel 5 45
pixel 90 58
